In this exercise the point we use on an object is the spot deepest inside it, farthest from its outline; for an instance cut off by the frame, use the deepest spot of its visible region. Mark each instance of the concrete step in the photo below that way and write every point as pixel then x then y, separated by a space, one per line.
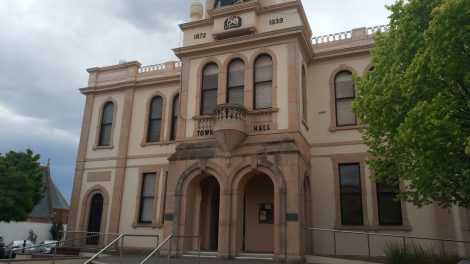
pixel 255 256
pixel 204 254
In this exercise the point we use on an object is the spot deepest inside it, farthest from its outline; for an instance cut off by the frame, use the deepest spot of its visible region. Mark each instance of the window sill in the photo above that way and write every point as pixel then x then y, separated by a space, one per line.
pixel 350 127
pixel 391 227
pixel 153 225
pixel 354 227
pixel 159 143
pixel 200 117
pixel 264 110
pixel 96 147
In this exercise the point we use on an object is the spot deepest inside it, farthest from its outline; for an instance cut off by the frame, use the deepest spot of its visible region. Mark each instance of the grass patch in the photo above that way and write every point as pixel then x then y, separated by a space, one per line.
pixel 414 253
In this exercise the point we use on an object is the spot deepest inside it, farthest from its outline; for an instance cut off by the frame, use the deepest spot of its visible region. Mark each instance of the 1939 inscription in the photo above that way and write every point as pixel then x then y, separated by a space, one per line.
pixel 276 21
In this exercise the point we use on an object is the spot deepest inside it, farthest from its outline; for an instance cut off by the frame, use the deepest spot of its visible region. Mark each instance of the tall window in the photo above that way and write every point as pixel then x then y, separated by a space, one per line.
pixel 147 198
pixel 263 85
pixel 350 194
pixel 106 124
pixel 235 82
pixel 174 116
pixel 155 119
pixel 344 96
pixel 304 93
pixel 389 209
pixel 210 78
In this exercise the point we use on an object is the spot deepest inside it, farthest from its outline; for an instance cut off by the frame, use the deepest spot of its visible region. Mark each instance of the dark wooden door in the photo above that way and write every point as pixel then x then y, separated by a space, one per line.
pixel 94 220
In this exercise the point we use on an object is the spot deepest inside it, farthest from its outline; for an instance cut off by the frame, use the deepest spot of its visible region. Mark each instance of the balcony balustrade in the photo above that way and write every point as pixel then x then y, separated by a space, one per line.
pixel 229 126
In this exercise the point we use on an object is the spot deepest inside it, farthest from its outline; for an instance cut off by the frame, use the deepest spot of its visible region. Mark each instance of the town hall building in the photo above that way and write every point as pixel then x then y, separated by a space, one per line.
pixel 245 142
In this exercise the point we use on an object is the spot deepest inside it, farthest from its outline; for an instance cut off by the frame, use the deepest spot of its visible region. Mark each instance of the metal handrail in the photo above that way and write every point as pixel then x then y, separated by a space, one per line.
pixel 368 234
pixel 55 248
pixel 120 237
pixel 155 251
pixel 387 235
pixel 107 246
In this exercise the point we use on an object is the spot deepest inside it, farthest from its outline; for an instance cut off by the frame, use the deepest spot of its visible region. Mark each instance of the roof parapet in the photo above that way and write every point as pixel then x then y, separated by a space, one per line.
pixel 357 33
pixel 161 67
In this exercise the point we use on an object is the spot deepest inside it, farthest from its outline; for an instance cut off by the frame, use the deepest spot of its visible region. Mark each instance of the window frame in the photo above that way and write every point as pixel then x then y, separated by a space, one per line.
pixel 404 211
pixel 98 133
pixel 333 117
pixel 158 118
pixel 381 193
pixel 174 117
pixel 145 198
pixel 242 87
pixel 263 82
pixel 342 193
pixel 204 91
pixel 161 175
pixel 344 99
pixel 360 158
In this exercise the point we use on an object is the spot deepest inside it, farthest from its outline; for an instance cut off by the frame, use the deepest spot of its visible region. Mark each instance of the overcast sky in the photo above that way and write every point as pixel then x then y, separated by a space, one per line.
pixel 46 45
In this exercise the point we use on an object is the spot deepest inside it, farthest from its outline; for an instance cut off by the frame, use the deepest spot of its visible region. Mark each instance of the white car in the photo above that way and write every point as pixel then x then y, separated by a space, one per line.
pixel 17 245
pixel 47 246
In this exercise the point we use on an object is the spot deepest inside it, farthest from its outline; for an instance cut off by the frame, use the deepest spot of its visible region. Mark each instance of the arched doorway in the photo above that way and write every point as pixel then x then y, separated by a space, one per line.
pixel 94 218
pixel 258 215
pixel 209 214
pixel 202 213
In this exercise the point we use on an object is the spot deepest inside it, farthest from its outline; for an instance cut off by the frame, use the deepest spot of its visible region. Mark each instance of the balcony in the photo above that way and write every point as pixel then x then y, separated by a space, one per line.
pixel 229 126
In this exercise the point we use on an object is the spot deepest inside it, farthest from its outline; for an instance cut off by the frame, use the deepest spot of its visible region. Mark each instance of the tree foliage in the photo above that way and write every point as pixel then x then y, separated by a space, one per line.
pixel 416 102
pixel 21 187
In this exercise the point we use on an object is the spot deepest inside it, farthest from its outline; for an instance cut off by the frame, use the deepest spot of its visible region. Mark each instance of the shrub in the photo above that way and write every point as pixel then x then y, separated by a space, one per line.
pixel 413 253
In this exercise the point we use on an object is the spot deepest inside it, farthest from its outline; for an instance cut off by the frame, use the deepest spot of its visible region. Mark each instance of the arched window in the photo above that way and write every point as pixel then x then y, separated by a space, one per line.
pixel 344 96
pixel 263 82
pixel 235 82
pixel 304 94
pixel 106 124
pixel 174 116
pixel 210 78
pixel 155 119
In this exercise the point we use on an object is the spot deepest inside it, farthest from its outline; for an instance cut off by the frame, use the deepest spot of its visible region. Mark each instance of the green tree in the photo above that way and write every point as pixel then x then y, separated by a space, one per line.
pixel 21 187
pixel 416 102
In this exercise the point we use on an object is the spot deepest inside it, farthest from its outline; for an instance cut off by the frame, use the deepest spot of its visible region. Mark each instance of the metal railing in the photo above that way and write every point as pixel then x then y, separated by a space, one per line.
pixel 106 247
pixel 57 245
pixel 95 241
pixel 403 240
pixel 156 251
pixel 120 239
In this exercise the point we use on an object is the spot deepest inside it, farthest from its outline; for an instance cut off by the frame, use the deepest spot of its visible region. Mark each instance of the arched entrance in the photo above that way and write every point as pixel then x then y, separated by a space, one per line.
pixel 258 215
pixel 202 213
pixel 94 219
pixel 209 213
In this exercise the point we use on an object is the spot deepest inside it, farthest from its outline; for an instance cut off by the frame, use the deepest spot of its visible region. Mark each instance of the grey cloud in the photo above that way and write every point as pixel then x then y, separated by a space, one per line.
pixel 155 14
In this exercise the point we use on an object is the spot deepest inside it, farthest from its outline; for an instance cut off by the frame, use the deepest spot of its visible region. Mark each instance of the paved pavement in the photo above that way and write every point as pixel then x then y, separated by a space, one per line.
pixel 136 259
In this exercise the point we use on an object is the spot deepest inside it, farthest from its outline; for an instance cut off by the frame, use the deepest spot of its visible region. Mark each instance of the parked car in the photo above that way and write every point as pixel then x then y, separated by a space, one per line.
pixel 46 247
pixel 17 245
